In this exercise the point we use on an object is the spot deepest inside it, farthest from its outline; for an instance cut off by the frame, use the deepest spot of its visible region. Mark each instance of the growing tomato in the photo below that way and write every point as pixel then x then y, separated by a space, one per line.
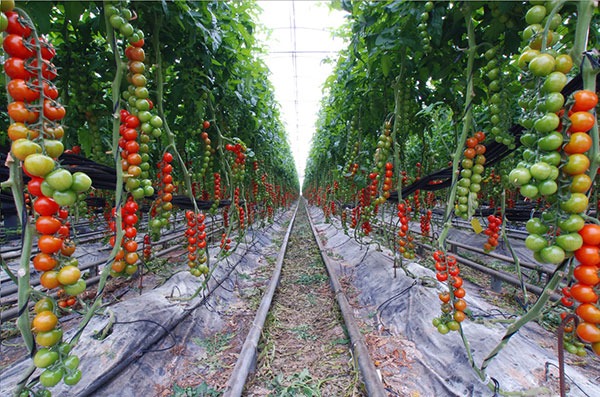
pixel 44 321
pixel 50 279
pixel 38 164
pixel 75 289
pixel 20 114
pixel 580 142
pixel 44 358
pixel 582 121
pixel 69 275
pixel 43 305
pixel 50 378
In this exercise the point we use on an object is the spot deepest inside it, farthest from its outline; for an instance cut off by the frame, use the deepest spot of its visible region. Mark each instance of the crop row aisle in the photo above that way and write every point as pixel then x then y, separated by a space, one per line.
pixel 161 235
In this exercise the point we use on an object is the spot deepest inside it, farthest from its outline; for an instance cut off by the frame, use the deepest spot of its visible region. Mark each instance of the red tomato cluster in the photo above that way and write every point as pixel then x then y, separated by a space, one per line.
pixel 585 291
pixel 162 207
pixel 426 224
pixel 197 253
pixel 240 160
pixel 225 242
pixel 387 182
pixel 405 242
pixel 494 223
pixel 126 257
pixel 147 247
pixel 217 186
pixel 453 306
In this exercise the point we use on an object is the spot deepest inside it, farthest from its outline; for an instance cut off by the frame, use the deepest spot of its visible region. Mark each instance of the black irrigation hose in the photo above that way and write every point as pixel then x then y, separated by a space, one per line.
pixel 382 307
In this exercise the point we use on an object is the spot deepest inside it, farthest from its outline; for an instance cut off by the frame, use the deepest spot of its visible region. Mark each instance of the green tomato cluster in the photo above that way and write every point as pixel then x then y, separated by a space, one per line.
pixel 65 188
pixel 422 27
pixel 498 100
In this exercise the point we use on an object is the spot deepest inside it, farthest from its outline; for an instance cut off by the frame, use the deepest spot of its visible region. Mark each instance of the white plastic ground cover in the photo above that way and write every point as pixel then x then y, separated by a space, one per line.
pixel 100 359
pixel 442 367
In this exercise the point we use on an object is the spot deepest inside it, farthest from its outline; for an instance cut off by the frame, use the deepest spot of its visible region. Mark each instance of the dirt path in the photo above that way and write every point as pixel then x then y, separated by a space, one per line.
pixel 304 349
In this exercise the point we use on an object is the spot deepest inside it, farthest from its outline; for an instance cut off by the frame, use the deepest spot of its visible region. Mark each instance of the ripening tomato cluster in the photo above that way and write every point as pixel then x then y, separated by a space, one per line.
pixel 453 306
pixel 573 188
pixel 134 165
pixel 127 256
pixel 426 223
pixel 405 242
pixel 494 223
pixel 197 252
pixel 239 165
pixel 147 248
pixel 471 175
pixel 54 356
pixel 162 207
pixel 208 150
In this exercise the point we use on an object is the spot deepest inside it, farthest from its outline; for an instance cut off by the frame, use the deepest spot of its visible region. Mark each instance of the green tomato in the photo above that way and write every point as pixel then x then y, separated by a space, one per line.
pixel 71 362
pixel 436 321
pixel 64 348
pixel 535 14
pixel 546 188
pixel 569 242
pixel 44 358
pixel 475 187
pixel 116 21
pixel 467 163
pixel 453 325
pixel 126 29
pixel 476 178
pixel 145 117
pixel 535 242
pixel 535 226
pixel 138 193
pixel 462 208
pixel 65 198
pixel 75 289
pixel 554 102
pixel 552 254
pixel 581 352
pixel 526 57
pixel 528 139
pixel 573 223
pixel 464 182
pixel 547 123
pixel 519 176
pixel 44 304
pixel 442 329
pixel 542 65
pixel 552 158
pixel 156 122
pixel 46 189
pixel 72 379
pixel 564 63
pixel 463 200
pixel 38 164
pixel 555 22
pixel 54 148
pixel 478 169
pixel 49 338
pixel 551 142
pixel 148 190
pixel 132 183
pixel 555 82
pixel 576 203
pixel 529 190
pixel 50 378
pixel 81 182
pixel 60 179
pixel 540 170
pixel 3 22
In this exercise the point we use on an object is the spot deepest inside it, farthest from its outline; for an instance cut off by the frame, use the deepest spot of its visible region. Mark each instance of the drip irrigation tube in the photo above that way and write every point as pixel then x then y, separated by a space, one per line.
pixel 371 378
pixel 235 385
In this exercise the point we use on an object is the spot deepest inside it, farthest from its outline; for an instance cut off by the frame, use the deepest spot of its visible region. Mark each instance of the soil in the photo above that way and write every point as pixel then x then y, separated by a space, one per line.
pixel 304 349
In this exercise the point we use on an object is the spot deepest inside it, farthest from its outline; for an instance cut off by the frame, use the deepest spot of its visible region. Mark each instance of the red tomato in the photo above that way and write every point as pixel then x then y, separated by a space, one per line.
pixel 15 69
pixel 53 111
pixel 44 262
pixel 19 113
pixel 49 244
pixel 588 255
pixel 586 274
pixel 19 91
pixel 47 225
pixel 590 234
pixel 45 206
pixel 14 26
pixel 34 186
pixel 583 293
pixel 589 313
pixel 588 332
pixel 584 101
pixel 13 45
